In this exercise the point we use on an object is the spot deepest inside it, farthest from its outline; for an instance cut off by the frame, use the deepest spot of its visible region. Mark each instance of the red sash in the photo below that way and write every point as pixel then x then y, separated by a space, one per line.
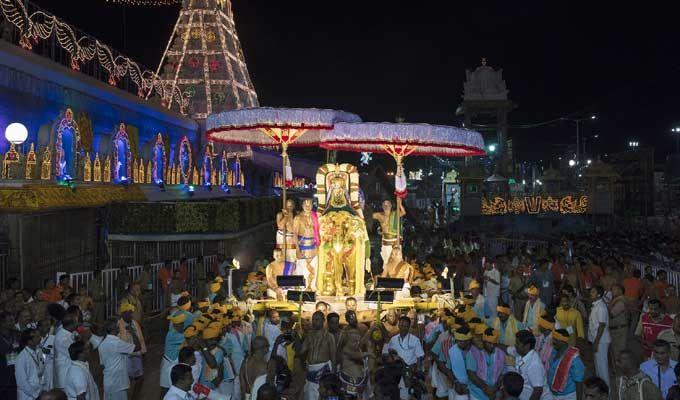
pixel 559 381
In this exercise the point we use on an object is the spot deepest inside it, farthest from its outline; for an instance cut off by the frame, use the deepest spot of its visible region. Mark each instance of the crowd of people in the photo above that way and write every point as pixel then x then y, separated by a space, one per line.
pixel 570 320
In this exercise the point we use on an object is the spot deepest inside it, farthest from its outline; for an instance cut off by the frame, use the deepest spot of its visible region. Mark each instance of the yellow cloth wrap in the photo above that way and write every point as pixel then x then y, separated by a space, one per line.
pixel 218 279
pixel 191 331
pixel 474 285
pixel 504 310
pixel 186 306
pixel 211 332
pixel 215 287
pixel 493 338
pixel 480 329
pixel 533 291
pixel 545 324
pixel 126 307
pixel 558 336
pixel 468 301
pixel 184 294
pixel 202 304
pixel 178 318
pixel 461 337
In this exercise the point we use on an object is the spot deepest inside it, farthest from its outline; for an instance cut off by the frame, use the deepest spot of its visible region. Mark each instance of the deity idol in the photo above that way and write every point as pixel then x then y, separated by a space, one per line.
pixel 388 225
pixel 344 243
pixel 284 221
pixel 306 231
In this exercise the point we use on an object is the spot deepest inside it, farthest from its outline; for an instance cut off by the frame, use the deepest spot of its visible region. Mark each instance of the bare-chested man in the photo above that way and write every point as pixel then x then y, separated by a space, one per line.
pixel 318 348
pixel 388 224
pixel 274 269
pixel 391 323
pixel 352 358
pixel 254 371
pixel 306 233
pixel 284 221
pixel 398 268
pixel 364 317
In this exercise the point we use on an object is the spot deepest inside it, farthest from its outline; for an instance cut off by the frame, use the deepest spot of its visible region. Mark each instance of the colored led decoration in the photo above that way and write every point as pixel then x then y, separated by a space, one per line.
pixel 204 51
pixel 535 205
pixel 121 135
pixel 147 2
pixel 41 25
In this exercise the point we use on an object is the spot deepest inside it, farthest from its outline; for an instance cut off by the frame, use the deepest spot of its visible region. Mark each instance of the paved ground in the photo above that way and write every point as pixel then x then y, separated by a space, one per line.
pixel 155 336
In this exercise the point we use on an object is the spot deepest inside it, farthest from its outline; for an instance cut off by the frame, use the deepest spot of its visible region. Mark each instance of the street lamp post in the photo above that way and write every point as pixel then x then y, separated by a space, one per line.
pixel 676 130
pixel 578 133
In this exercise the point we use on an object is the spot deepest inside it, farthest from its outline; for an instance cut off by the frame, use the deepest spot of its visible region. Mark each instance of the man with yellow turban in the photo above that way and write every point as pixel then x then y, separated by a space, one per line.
pixel 129 331
pixel 173 342
pixel 457 372
pixel 184 308
pixel 566 370
pixel 533 309
pixel 506 325
pixel 213 369
pixel 214 289
pixel 485 365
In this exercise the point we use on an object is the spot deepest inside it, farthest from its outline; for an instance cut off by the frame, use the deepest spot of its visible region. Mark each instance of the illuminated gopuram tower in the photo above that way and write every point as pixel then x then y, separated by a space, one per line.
pixel 204 59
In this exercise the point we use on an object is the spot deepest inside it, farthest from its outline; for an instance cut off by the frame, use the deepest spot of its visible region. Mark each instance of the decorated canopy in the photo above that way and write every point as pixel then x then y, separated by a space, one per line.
pixel 403 139
pixel 264 126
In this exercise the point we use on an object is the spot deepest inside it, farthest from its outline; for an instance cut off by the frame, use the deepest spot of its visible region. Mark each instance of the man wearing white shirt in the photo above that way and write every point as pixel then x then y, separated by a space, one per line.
pixel 181 378
pixel 529 365
pixel 113 355
pixel 271 329
pixel 81 384
pixel 408 348
pixel 62 340
pixel 46 347
pixel 598 333
pixel 492 287
pixel 29 366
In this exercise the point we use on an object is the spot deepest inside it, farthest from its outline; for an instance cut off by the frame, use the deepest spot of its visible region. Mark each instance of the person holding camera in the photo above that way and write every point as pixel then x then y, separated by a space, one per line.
pixel 408 348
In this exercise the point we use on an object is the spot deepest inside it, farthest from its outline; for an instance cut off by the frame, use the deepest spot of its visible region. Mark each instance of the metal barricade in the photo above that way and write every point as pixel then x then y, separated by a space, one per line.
pixel 157 288
pixel 80 281
pixel 192 277
pixel 134 272
pixel 210 265
pixel 110 278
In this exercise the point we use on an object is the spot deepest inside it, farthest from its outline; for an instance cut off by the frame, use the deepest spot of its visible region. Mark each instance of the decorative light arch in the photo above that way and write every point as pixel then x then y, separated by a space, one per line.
pixel 121 135
pixel 66 123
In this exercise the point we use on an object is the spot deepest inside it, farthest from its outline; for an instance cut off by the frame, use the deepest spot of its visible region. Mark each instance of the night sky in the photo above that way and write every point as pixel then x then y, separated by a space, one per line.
pixel 381 59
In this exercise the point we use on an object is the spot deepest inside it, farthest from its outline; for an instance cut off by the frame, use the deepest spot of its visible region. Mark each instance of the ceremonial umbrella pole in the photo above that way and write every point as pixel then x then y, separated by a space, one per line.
pixel 280 127
pixel 401 140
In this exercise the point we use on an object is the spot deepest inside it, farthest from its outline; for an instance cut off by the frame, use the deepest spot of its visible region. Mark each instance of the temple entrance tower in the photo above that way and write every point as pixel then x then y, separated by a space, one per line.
pixel 485 108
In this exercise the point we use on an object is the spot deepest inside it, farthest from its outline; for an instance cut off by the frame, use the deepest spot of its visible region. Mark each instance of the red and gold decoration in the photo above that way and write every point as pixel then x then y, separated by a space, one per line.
pixel 401 140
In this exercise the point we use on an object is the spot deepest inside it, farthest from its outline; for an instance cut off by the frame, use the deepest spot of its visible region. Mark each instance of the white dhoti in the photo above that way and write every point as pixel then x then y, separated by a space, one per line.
pixel 259 381
pixel 314 373
pixel 301 268
pixel 385 252
pixel 439 381
pixel 602 361
pixel 166 367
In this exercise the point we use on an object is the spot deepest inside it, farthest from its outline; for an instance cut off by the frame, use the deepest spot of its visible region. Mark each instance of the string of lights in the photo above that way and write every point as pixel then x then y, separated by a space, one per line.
pixel 40 25
pixel 146 2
